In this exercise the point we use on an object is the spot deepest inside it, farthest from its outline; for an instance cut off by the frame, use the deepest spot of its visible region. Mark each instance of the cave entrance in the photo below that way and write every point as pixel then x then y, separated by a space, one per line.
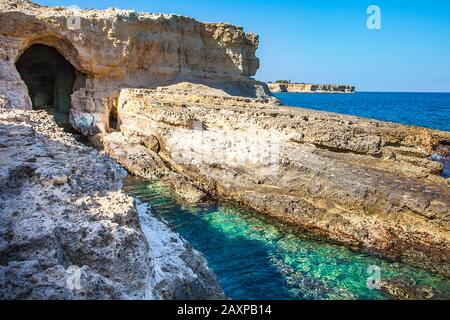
pixel 50 80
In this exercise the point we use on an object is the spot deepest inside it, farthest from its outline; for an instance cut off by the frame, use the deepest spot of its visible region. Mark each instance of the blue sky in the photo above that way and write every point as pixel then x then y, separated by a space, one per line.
pixel 327 41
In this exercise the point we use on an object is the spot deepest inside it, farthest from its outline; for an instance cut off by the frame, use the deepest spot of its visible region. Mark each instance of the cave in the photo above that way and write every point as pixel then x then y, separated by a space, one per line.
pixel 113 122
pixel 50 80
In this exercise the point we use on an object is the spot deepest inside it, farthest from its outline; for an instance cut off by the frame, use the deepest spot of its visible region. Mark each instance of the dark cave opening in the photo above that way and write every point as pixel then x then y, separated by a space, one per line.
pixel 113 122
pixel 50 80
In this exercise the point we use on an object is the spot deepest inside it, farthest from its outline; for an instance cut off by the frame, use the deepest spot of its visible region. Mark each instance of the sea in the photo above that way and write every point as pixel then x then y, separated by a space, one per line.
pixel 257 258
pixel 431 110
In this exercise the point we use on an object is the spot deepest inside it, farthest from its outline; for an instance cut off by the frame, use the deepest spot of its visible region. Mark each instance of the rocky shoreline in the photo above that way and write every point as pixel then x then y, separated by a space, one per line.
pixel 365 184
pixel 171 98
pixel 310 88
pixel 68 232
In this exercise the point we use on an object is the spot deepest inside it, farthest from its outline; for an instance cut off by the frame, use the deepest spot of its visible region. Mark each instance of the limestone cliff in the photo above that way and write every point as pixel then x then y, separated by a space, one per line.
pixel 113 49
pixel 310 88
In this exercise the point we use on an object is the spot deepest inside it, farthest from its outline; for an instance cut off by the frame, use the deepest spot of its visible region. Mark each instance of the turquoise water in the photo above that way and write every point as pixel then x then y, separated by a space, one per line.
pixel 257 258
pixel 431 110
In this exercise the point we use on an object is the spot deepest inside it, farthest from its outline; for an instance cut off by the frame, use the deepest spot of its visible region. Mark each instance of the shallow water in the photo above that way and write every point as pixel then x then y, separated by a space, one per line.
pixel 257 258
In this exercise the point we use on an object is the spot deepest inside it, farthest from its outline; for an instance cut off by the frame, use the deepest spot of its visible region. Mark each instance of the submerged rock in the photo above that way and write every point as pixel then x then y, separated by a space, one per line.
pixel 187 190
pixel 406 289
pixel 134 156
pixel 68 232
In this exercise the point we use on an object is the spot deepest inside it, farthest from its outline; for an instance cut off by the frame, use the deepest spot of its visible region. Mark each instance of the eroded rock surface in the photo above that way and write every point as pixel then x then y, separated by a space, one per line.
pixel 363 183
pixel 114 49
pixel 200 122
pixel 68 232
pixel 406 289
pixel 310 88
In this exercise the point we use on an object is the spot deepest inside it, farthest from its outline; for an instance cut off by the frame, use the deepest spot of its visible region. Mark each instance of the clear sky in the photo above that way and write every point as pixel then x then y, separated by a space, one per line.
pixel 327 41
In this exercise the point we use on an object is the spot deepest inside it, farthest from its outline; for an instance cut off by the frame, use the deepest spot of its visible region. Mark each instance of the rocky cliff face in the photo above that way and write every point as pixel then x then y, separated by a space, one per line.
pixel 310 88
pixel 113 49
pixel 178 95
pixel 68 232
pixel 365 184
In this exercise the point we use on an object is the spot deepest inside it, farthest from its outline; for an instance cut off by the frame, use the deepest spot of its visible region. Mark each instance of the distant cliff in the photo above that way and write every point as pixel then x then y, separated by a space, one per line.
pixel 310 88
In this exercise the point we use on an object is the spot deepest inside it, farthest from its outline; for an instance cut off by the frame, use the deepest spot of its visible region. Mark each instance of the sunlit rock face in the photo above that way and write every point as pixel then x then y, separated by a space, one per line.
pixel 114 49
pixel 161 81
pixel 367 184
pixel 310 88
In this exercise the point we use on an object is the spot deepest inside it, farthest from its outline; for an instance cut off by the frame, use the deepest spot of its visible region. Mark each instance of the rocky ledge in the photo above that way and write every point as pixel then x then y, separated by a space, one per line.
pixel 112 49
pixel 310 88
pixel 365 184
pixel 68 232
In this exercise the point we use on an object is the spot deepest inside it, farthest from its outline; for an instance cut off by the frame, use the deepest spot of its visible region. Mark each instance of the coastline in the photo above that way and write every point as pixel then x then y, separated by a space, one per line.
pixel 429 110
pixel 234 237
pixel 172 99
pixel 311 88
pixel 372 203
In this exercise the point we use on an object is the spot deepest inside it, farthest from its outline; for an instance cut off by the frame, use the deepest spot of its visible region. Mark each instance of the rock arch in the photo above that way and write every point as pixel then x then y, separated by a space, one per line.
pixel 59 43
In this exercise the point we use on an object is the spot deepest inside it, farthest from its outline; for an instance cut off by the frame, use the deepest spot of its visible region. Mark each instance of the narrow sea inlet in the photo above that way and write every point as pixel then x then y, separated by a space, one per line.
pixel 257 258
